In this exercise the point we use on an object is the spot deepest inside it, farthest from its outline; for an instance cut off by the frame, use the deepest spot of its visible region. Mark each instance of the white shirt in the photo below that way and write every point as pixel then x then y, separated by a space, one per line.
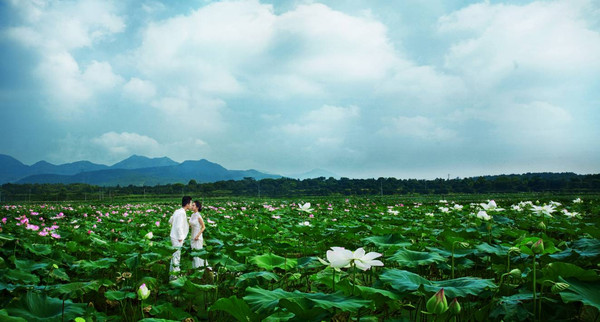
pixel 179 224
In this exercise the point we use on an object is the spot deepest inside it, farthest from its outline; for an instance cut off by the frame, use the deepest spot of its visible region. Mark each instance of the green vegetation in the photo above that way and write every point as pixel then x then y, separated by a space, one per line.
pixel 514 259
pixel 284 187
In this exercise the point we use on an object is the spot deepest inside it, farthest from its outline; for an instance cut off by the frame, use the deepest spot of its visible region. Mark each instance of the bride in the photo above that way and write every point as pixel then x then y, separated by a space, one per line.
pixel 197 225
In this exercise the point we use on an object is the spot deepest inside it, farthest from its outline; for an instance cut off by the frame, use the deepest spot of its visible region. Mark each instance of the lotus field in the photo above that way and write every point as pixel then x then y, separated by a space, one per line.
pixel 336 259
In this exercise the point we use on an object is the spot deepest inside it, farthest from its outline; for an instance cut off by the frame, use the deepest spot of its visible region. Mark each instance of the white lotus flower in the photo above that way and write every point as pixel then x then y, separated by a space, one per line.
pixel 339 257
pixel 516 208
pixel 306 223
pixel 444 209
pixel 457 207
pixel 429 214
pixel 578 200
pixel 543 210
pixel 483 215
pixel 570 214
pixel 393 212
pixel 149 235
pixel 365 261
pixel 305 207
pixel 490 206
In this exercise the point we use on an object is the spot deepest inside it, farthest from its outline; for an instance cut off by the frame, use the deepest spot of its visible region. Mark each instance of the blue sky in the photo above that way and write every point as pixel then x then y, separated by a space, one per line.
pixel 409 89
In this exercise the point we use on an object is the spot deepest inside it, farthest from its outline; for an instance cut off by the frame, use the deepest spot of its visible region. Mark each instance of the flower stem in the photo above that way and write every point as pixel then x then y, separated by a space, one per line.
pixel 534 281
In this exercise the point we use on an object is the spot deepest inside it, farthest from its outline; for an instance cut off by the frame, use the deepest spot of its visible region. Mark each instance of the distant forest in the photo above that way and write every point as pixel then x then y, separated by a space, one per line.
pixel 286 187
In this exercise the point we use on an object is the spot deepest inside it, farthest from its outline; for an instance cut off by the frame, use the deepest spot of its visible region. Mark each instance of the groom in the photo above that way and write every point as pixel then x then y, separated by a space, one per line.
pixel 179 231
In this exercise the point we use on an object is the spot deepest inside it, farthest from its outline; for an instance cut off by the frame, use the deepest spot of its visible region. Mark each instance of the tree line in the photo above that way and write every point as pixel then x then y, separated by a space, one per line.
pixel 288 187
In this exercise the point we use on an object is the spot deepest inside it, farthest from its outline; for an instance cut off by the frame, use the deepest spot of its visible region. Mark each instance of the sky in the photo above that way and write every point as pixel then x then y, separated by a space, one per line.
pixel 360 88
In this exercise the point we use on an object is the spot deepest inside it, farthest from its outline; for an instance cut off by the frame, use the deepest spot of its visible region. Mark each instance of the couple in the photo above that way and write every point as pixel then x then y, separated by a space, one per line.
pixel 180 227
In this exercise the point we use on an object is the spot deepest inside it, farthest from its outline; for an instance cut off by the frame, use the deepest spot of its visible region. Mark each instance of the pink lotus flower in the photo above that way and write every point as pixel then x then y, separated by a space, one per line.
pixel 4 220
pixel 57 236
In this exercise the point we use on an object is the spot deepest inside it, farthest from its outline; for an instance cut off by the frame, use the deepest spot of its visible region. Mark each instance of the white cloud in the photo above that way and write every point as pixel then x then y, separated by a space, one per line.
pixel 55 30
pixel 125 144
pixel 139 90
pixel 498 41
pixel 418 127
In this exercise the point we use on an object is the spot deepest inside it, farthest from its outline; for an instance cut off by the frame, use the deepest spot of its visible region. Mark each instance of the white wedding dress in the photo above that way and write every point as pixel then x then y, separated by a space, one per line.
pixel 196 244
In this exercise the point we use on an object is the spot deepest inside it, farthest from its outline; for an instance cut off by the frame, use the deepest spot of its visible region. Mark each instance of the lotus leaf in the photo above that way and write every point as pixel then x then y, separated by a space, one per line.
pixel 119 295
pixel 253 276
pixel 409 258
pixel 272 261
pixel 405 281
pixel 39 307
pixel 585 292
pixel 236 307
pixel 386 241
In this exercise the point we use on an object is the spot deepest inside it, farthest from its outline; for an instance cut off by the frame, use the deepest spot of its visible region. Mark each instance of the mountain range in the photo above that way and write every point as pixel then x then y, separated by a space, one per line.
pixel 135 170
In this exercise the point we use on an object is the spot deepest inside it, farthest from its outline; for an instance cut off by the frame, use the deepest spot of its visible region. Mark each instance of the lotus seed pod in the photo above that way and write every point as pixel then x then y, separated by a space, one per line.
pixel 559 287
pixel 541 225
pixel 437 304
pixel 538 247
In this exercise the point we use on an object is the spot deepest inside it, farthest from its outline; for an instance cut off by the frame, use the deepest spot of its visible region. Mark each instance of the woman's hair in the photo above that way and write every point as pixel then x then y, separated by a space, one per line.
pixel 198 205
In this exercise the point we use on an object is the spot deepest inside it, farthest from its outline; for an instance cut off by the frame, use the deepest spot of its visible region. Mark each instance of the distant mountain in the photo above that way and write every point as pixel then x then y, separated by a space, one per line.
pixel 315 173
pixel 135 170
pixel 140 162
pixel 43 167
pixel 11 169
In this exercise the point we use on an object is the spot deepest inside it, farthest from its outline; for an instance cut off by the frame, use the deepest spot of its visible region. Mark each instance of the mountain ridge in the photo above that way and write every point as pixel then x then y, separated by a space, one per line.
pixel 135 170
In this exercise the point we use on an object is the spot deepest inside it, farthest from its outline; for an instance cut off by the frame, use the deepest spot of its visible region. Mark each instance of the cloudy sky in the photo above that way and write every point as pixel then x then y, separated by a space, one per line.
pixel 362 88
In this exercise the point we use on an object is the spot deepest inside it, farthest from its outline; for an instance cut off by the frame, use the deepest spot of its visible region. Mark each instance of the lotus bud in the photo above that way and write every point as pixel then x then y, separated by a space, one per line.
pixel 559 287
pixel 516 273
pixel 541 225
pixel 149 235
pixel 437 304
pixel 538 247
pixel 143 292
pixel 454 307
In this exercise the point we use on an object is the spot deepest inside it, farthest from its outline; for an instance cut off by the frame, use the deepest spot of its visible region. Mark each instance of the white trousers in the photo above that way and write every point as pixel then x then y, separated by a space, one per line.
pixel 176 259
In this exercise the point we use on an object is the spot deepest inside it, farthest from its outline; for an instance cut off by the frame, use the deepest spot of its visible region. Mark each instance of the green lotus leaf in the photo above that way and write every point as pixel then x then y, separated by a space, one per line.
pixel 264 301
pixel 253 276
pixel 29 265
pixel 168 311
pixel 59 274
pixel 498 250
pixel 581 291
pixel 409 258
pixel 386 241
pixel 38 249
pixel 119 295
pixel 586 247
pixel 39 307
pixel 458 252
pixel 511 309
pixel 272 261
pixel 7 318
pixel 405 281
pixel 553 270
pixel 5 237
pixel 19 275
pixel 102 263
pixel 235 307
pixel 279 316
pixel 76 289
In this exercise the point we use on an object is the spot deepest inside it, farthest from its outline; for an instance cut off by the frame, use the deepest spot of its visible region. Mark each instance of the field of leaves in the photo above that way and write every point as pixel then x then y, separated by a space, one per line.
pixel 508 259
